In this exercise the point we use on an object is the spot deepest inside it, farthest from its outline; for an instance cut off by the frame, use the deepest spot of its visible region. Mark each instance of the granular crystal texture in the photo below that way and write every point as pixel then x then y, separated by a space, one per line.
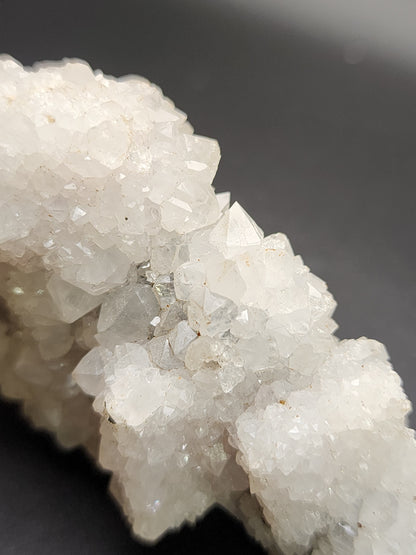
pixel 147 320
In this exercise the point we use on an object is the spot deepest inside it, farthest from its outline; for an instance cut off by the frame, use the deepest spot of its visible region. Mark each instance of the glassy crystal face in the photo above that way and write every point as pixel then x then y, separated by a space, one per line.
pixel 144 318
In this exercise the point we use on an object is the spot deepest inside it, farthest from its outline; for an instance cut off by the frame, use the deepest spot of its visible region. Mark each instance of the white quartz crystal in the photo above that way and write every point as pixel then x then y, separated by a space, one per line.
pixel 195 358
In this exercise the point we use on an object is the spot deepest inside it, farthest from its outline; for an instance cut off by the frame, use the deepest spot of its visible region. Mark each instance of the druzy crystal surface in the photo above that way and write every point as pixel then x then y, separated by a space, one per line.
pixel 145 319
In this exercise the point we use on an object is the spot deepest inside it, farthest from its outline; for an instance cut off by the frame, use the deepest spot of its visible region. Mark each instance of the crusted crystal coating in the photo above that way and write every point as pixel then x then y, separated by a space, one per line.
pixel 146 319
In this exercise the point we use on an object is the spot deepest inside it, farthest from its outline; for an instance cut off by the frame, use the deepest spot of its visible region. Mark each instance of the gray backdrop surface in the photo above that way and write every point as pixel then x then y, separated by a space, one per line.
pixel 312 146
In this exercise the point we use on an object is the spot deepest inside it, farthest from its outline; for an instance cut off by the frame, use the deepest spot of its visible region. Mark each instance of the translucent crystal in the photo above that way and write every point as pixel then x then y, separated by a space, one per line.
pixel 146 319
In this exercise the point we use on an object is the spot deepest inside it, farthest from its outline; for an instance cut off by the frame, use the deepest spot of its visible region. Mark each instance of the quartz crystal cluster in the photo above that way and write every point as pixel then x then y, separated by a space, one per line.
pixel 145 319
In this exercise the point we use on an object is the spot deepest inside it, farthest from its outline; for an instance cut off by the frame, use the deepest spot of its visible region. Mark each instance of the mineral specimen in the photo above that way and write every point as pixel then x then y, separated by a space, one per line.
pixel 195 358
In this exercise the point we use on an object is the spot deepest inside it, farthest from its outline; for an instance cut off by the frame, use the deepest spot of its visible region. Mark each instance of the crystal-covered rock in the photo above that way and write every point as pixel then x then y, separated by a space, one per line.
pixel 144 318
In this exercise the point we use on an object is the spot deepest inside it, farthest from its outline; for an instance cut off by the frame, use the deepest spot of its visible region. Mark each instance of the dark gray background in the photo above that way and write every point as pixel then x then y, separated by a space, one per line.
pixel 312 146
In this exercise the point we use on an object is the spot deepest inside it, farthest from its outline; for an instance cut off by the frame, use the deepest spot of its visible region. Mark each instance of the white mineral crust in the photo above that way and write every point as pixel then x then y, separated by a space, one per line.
pixel 205 349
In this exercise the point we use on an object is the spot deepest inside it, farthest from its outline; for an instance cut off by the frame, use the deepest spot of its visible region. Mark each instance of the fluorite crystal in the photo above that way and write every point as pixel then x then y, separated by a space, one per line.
pixel 195 358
